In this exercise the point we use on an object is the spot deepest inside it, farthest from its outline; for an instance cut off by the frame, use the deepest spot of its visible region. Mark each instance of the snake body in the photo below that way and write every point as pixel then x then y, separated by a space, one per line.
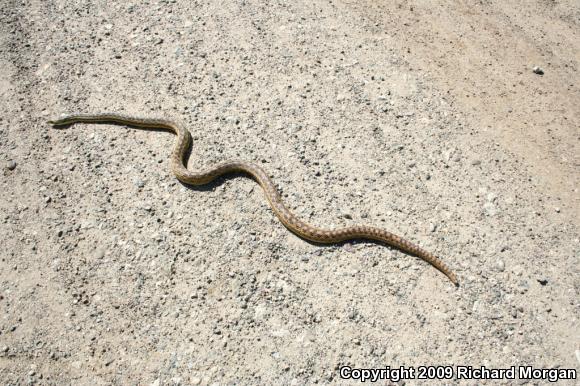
pixel 293 223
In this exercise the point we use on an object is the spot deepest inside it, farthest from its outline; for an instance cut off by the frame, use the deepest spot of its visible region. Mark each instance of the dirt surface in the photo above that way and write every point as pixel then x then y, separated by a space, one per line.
pixel 424 118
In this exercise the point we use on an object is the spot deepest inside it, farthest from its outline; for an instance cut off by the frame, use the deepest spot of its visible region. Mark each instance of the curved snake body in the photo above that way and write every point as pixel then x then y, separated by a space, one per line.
pixel 299 227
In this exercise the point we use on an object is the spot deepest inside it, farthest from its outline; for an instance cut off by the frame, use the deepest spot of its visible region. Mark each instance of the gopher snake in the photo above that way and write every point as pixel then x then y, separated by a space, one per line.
pixel 299 227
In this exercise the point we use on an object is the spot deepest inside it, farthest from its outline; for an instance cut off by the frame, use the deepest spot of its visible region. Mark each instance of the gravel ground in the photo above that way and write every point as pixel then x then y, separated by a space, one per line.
pixel 424 118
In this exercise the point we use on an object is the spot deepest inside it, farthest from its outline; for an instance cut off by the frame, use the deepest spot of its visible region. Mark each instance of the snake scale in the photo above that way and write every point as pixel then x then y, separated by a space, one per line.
pixel 294 224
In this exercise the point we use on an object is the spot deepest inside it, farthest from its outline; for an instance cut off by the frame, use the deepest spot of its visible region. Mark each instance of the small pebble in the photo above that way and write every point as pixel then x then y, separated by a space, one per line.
pixel 11 165
pixel 523 287
pixel 99 253
pixel 538 70
pixel 557 210
pixel 514 313
pixel 500 265
pixel 139 183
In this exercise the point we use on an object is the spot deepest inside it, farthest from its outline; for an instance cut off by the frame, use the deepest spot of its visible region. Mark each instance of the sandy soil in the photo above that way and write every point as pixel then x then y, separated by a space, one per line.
pixel 424 118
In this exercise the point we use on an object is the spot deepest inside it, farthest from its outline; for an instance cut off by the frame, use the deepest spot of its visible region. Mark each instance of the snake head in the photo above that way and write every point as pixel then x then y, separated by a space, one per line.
pixel 58 122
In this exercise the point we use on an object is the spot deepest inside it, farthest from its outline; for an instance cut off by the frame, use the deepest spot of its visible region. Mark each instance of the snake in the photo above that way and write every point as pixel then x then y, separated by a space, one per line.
pixel 180 155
